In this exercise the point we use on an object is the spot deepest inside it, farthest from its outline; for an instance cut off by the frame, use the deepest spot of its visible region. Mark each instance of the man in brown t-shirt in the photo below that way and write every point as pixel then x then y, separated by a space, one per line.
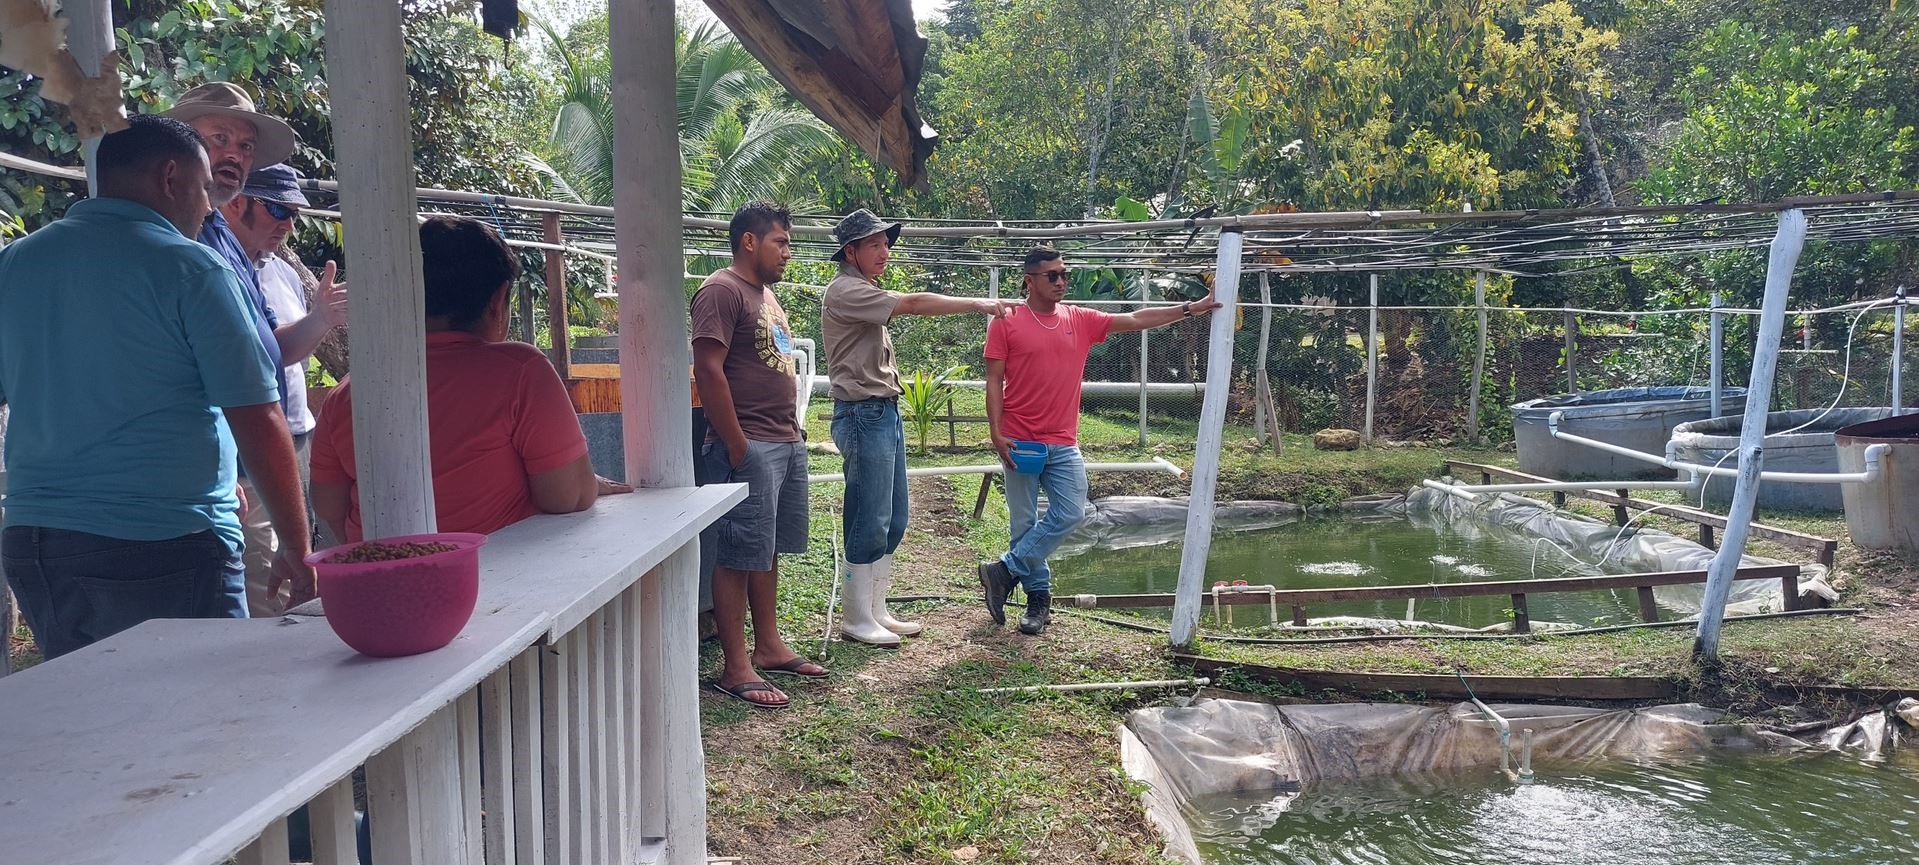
pixel 744 375
pixel 866 416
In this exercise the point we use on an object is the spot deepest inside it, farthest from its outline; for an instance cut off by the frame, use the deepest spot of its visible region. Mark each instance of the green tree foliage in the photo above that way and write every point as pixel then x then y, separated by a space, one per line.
pixel 741 137
pixel 464 96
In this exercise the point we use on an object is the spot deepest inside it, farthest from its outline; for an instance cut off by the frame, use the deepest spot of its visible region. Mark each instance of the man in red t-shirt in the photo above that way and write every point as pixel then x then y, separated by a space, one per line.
pixel 1035 359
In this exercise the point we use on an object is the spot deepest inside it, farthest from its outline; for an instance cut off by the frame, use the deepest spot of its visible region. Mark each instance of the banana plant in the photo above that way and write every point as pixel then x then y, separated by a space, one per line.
pixel 924 399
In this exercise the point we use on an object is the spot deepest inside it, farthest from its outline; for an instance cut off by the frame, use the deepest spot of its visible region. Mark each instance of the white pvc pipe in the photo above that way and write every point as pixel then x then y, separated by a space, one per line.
pixel 1899 350
pixel 1101 686
pixel 1718 356
pixel 1448 489
pixel 822 384
pixel 1786 246
pixel 1874 457
pixel 1479 359
pixel 1568 486
pixel 1212 428
pixel 1158 464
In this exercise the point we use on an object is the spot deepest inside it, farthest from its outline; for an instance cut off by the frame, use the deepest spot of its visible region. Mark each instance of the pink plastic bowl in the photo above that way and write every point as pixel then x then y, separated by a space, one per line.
pixel 402 607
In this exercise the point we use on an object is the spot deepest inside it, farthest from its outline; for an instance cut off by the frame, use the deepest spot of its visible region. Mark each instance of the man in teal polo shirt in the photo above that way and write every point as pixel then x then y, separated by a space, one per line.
pixel 131 365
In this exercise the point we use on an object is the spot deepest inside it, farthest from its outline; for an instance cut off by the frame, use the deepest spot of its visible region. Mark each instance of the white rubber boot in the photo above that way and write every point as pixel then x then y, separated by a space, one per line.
pixel 856 608
pixel 882 585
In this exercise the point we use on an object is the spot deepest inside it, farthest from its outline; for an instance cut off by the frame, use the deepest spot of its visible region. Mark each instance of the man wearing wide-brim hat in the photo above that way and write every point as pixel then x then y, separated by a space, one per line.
pixel 866 417
pixel 237 138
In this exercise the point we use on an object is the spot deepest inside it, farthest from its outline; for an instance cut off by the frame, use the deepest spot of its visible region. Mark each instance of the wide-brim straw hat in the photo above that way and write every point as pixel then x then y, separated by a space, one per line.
pixel 275 142
pixel 860 225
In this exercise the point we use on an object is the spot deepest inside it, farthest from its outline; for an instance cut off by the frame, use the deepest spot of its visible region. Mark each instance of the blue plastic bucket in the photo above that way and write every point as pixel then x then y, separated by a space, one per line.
pixel 1029 458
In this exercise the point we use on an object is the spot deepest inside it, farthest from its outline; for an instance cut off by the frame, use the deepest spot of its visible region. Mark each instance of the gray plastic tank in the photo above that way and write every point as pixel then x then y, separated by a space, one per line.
pixel 1883 515
pixel 1641 418
pixel 1808 450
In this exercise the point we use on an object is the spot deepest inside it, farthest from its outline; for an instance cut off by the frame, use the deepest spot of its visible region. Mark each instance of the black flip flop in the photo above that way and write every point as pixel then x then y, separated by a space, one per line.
pixel 739 692
pixel 792 668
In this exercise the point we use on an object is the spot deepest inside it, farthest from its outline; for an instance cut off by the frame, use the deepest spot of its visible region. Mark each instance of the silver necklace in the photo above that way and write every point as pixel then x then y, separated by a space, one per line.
pixel 1054 325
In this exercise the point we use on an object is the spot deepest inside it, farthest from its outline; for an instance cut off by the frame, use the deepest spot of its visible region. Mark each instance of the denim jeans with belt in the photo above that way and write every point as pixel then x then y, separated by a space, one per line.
pixel 1034 536
pixel 872 443
pixel 76 588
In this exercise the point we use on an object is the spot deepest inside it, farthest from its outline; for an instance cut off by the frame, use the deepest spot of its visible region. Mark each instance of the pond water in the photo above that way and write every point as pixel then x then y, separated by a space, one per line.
pixel 1360 551
pixel 1727 809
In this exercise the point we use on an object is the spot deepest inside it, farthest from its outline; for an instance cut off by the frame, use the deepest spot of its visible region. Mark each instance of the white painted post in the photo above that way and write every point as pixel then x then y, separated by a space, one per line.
pixel 992 283
pixel 656 401
pixel 366 74
pixel 1212 430
pixel 1786 246
pixel 1145 359
pixel 1717 328
pixel 413 794
pixel 1372 356
pixel 1899 349
pixel 89 39
pixel 1259 371
pixel 330 822
pixel 1479 359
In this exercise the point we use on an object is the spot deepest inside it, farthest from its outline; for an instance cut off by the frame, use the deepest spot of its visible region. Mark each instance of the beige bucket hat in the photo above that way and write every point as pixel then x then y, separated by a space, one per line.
pixel 275 143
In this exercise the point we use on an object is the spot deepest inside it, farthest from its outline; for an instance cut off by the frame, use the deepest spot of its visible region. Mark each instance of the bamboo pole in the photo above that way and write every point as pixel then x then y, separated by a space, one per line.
pixel 557 327
pixel 372 128
pixel 1212 430
pixel 1145 360
pixel 1264 384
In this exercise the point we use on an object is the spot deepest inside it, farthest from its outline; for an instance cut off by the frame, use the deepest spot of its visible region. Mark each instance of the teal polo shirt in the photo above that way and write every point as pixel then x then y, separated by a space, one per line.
pixel 119 341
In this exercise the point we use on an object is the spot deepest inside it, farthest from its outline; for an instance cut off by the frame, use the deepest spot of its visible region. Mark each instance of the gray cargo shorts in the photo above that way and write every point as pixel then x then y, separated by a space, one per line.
pixel 773 518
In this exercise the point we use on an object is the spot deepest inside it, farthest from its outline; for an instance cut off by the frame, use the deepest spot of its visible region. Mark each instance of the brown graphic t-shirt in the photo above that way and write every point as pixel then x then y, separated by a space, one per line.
pixel 748 320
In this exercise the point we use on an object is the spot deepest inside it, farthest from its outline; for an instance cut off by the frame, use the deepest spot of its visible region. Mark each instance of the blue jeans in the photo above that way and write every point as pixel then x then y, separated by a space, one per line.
pixel 1035 536
pixel 76 589
pixel 873 445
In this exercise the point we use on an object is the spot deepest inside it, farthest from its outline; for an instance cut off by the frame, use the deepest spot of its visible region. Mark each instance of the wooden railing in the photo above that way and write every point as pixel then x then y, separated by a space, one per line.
pixel 1517 590
pixel 560 727
pixel 1622 502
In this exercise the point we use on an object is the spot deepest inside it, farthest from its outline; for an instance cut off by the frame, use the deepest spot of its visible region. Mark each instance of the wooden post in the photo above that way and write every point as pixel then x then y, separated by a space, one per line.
pixel 1648 605
pixel 1620 512
pixel 557 326
pixel 656 404
pixel 372 132
pixel 1522 622
pixel 526 312
pixel 1705 536
pixel 1212 430
pixel 985 489
pixel 89 39
pixel 1789 591
pixel 1479 359
pixel 413 792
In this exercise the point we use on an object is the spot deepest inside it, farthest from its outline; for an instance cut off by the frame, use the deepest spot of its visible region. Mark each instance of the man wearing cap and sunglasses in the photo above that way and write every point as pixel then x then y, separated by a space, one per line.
pixel 261 217
pixel 854 313
pixel 1035 361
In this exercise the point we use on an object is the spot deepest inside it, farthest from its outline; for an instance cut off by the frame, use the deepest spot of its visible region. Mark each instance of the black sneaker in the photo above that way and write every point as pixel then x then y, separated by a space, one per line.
pixel 997 582
pixel 1039 613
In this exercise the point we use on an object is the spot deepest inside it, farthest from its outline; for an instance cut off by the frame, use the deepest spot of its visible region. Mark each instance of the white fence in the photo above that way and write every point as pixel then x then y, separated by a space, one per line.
pixel 561 727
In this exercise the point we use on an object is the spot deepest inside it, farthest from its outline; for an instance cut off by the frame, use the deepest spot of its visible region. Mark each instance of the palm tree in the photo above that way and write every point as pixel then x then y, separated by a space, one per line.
pixel 740 138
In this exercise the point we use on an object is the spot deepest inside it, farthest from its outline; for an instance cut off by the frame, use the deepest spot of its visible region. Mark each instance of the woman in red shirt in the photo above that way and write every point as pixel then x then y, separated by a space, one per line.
pixel 505 442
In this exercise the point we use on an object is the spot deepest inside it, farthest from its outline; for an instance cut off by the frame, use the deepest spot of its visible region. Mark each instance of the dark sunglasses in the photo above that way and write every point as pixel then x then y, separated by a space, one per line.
pixel 277 210
pixel 1052 276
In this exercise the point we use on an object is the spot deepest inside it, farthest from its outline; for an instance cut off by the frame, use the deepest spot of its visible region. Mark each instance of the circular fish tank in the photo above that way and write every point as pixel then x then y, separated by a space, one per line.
pixel 1715 441
pixel 1640 418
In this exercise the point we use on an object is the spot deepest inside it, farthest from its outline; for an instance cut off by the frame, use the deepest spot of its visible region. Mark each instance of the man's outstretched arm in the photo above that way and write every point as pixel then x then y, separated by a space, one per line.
pixel 933 303
pixel 1160 316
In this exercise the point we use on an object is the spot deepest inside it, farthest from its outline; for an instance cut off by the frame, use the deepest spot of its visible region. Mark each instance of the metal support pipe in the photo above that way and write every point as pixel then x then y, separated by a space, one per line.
pixel 1572 349
pixel 1786 246
pixel 992 283
pixel 1479 358
pixel 1145 360
pixel 89 40
pixel 1260 395
pixel 1372 356
pixel 1899 349
pixel 1718 328
pixel 1569 486
pixel 1212 430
